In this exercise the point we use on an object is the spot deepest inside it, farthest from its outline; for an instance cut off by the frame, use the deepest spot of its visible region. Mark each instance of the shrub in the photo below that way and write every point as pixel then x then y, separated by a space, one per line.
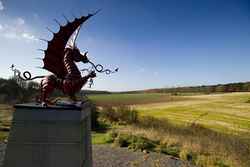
pixel 169 150
pixel 188 155
pixel 111 136
pixel 141 143
pixel 151 122
pixel 122 140
pixel 120 115
pixel 134 142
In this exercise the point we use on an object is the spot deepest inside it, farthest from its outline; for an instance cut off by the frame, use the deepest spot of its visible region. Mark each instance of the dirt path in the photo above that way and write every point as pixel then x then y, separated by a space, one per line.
pixel 107 156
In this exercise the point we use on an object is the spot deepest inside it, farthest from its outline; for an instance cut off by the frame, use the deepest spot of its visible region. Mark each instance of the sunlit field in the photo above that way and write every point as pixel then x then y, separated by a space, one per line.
pixel 134 99
pixel 222 123
pixel 214 130
pixel 223 112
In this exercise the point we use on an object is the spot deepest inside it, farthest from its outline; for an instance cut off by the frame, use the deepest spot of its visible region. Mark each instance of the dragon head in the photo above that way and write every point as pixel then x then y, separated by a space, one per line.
pixel 77 55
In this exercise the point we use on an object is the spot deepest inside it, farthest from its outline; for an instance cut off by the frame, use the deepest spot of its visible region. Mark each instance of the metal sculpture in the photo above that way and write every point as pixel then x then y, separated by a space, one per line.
pixel 60 57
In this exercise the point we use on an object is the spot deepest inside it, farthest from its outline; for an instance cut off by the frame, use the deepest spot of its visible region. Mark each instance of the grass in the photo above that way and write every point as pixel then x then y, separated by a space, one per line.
pixel 221 139
pixel 194 143
pixel 133 99
pixel 5 120
pixel 100 138
pixel 227 113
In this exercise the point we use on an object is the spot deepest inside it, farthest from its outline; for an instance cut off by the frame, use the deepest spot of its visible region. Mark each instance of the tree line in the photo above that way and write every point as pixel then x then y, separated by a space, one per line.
pixel 207 89
pixel 204 89
pixel 17 91
pixel 14 90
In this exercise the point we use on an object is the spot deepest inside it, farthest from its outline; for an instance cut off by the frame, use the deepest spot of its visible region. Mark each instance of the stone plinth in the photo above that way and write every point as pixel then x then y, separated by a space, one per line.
pixel 49 137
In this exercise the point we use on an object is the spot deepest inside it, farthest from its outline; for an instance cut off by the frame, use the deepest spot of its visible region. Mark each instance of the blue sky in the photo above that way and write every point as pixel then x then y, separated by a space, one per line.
pixel 155 44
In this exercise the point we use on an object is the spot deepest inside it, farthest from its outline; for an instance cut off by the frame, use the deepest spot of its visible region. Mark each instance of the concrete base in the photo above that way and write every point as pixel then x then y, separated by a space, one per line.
pixel 49 137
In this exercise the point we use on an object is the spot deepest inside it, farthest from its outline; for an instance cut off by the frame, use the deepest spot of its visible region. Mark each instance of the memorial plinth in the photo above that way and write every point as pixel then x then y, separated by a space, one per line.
pixel 56 136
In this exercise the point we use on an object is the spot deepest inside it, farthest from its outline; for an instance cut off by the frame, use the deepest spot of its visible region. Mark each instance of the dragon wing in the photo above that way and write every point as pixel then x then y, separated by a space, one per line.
pixel 53 59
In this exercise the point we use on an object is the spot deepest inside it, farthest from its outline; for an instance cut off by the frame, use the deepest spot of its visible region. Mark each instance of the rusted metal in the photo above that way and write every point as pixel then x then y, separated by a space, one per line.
pixel 60 58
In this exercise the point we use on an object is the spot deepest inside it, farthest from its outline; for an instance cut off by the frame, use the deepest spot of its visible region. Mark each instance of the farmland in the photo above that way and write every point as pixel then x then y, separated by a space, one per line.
pixel 223 112
pixel 133 99
pixel 214 129
pixel 222 124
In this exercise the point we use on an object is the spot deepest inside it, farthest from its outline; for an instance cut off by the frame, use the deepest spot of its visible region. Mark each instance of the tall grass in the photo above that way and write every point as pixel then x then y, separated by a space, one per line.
pixel 120 114
pixel 209 146
pixel 195 143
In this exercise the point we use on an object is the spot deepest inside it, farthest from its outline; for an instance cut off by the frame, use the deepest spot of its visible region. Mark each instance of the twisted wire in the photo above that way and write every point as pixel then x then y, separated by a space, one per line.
pixel 25 76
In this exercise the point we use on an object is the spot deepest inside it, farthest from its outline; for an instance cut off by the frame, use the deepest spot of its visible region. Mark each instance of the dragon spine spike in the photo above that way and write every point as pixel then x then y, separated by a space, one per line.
pixel 96 12
pixel 38 58
pixel 50 30
pixel 39 67
pixel 58 22
pixel 56 46
pixel 41 50
pixel 41 39
pixel 65 18
pixel 73 15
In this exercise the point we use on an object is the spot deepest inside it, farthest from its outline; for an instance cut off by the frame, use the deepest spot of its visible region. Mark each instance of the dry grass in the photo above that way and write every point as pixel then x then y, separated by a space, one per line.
pixel 226 113
pixel 208 148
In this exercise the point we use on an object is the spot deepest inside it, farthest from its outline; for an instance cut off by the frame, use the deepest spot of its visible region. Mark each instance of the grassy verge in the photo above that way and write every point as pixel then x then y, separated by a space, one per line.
pixel 100 138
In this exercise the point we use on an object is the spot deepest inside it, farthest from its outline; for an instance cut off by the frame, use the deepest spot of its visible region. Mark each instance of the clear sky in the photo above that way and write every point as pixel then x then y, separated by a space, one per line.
pixel 155 43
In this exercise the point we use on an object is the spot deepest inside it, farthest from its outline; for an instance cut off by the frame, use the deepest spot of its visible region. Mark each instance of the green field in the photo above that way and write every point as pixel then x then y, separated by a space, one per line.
pixel 134 99
pixel 228 114
pixel 223 112
pixel 214 129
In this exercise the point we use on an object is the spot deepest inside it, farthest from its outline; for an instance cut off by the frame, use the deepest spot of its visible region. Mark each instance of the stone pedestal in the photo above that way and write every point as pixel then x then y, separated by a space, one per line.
pixel 49 137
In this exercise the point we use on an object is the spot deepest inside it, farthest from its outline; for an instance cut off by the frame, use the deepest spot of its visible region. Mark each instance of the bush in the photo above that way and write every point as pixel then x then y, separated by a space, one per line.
pixel 151 122
pixel 169 150
pixel 188 155
pixel 120 115
pixel 122 140
pixel 112 135
pixel 141 143
pixel 134 142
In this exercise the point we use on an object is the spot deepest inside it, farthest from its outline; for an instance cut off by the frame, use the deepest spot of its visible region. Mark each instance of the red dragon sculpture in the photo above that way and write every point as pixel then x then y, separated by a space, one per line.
pixel 60 57
pixel 60 60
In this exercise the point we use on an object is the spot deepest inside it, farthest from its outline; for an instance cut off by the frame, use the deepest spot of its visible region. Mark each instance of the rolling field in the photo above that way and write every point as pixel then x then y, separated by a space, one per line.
pixel 133 99
pixel 222 140
pixel 229 113
pixel 212 129
pixel 223 112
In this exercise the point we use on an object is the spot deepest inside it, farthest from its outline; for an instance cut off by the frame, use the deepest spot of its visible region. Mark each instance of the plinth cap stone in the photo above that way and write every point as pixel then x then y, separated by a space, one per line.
pixel 57 107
